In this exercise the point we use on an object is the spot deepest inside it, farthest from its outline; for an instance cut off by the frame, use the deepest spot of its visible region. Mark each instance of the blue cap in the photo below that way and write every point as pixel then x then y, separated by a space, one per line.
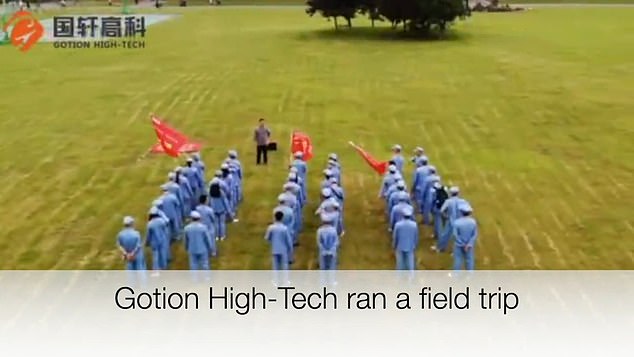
pixel 423 160
pixel 408 212
pixel 333 180
pixel 128 220
pixel 326 192
pixel 403 198
pixel 196 156
pixel 195 215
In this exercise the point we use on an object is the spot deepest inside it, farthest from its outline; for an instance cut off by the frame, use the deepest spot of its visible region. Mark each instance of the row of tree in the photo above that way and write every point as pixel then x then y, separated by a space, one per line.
pixel 413 15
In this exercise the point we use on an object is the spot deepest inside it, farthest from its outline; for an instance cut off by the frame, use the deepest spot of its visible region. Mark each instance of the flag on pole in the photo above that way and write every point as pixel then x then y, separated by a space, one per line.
pixel 170 140
pixel 301 142
pixel 379 166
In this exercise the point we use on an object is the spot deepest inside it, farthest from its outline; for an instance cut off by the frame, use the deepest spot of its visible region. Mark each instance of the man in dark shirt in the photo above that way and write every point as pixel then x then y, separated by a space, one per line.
pixel 261 136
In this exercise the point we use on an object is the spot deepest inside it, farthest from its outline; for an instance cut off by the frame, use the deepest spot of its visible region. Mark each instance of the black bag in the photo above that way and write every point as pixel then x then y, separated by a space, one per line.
pixel 441 197
pixel 272 146
pixel 214 190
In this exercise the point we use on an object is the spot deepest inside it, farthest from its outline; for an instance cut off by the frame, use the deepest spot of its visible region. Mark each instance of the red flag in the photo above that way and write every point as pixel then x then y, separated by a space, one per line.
pixel 379 167
pixel 171 141
pixel 301 142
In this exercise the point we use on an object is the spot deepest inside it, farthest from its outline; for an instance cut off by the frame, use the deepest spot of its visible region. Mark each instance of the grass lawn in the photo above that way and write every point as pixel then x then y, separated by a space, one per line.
pixel 529 113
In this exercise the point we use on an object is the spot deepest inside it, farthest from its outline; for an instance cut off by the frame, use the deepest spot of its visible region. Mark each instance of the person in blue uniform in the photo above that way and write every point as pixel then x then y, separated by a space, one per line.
pixel 405 239
pixel 157 239
pixel 328 242
pixel 131 246
pixel 466 233
pixel 279 237
pixel 198 243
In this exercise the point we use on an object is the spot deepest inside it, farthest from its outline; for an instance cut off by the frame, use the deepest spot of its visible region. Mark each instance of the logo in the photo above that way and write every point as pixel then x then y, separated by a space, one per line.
pixel 26 30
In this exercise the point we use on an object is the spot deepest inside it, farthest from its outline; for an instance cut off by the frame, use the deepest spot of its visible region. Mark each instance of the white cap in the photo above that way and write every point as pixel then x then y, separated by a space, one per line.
pixel 195 215
pixel 408 212
pixel 464 207
pixel 128 220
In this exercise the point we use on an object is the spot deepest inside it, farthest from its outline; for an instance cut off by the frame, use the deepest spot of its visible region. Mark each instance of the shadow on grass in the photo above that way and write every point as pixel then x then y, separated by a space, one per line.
pixel 386 34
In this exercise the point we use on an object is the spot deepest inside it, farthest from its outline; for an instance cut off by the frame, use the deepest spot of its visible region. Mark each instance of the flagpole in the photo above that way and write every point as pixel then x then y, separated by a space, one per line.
pixel 290 148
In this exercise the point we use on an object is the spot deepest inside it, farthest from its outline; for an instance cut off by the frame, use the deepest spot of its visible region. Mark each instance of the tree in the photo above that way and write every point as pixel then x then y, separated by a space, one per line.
pixel 371 9
pixel 415 15
pixel 333 9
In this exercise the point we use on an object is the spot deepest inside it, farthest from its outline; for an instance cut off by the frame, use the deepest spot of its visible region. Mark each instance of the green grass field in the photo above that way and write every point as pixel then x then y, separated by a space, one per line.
pixel 529 113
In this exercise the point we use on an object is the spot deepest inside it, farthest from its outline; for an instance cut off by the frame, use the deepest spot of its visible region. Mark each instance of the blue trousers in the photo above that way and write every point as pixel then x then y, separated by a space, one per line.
pixel 445 237
pixel 327 262
pixel 199 261
pixel 221 225
pixel 138 263
pixel 168 252
pixel 159 257
pixel 405 260
pixel 280 262
pixel 463 258
pixel 437 223
pixel 174 228
pixel 298 222
pixel 427 210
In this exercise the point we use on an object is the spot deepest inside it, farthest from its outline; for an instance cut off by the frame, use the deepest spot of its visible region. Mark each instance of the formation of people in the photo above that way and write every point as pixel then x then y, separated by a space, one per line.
pixel 440 207
pixel 188 210
pixel 283 234
pixel 196 213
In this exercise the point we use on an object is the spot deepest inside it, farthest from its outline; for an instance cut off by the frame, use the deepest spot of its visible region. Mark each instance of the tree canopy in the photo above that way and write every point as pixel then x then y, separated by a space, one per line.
pixel 413 15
